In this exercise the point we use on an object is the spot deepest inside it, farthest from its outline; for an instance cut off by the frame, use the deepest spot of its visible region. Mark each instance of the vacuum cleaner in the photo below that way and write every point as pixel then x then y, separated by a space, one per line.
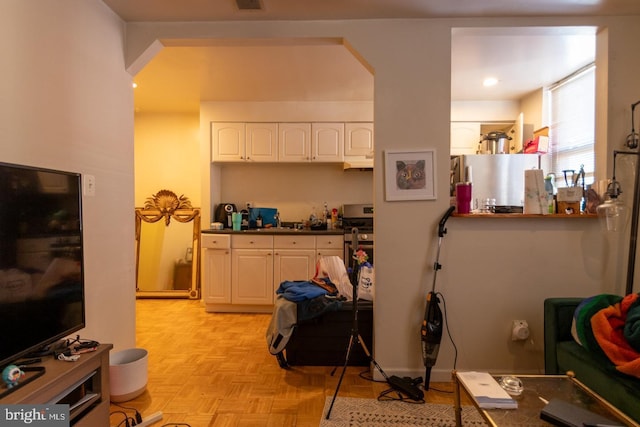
pixel 431 330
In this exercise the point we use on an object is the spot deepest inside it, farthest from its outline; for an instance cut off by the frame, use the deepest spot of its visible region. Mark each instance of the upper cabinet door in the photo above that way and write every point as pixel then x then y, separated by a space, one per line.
pixel 327 142
pixel 465 137
pixel 227 142
pixel 294 142
pixel 358 139
pixel 262 142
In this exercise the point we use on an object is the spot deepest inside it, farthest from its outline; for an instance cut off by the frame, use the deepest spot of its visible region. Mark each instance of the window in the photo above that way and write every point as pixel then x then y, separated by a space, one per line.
pixel 572 129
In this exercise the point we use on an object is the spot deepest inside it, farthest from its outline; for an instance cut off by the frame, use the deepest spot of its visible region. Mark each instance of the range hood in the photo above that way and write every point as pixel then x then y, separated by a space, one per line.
pixel 360 164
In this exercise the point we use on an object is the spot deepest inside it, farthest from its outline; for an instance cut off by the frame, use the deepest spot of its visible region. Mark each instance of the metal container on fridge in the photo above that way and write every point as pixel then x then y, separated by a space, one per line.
pixel 495 143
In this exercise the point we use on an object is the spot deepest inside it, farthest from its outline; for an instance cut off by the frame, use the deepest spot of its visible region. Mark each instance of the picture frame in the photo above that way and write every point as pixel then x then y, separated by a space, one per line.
pixel 410 174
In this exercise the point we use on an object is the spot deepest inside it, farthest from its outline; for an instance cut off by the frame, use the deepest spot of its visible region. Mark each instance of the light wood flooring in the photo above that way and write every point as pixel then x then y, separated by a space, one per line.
pixel 214 370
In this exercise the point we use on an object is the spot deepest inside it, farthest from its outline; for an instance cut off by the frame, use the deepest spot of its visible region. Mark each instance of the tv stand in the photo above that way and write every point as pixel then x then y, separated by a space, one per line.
pixel 83 385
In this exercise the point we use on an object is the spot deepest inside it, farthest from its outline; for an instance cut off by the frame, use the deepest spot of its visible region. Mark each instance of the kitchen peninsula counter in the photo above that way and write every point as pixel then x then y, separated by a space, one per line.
pixel 520 215
pixel 278 232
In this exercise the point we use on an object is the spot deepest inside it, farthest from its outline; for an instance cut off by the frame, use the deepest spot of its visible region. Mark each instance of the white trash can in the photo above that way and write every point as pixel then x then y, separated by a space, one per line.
pixel 128 374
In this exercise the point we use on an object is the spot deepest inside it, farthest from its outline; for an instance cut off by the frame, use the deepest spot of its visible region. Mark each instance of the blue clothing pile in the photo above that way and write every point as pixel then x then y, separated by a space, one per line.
pixel 301 290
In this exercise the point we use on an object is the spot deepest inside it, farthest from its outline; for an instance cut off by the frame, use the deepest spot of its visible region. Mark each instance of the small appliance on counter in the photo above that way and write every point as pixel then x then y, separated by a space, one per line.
pixel 223 214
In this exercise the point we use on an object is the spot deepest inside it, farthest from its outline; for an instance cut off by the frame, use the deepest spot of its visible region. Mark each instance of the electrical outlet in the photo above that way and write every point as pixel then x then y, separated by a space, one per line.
pixel 520 330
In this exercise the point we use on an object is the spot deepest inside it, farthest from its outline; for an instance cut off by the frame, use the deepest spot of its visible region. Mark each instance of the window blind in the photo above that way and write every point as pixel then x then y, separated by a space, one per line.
pixel 572 128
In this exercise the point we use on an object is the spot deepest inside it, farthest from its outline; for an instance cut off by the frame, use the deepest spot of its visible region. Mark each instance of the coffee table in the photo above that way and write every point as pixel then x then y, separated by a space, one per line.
pixel 538 390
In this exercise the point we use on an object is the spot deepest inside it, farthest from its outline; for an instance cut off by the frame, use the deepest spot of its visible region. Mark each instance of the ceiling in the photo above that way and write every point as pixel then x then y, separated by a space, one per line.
pixel 522 59
pixel 226 10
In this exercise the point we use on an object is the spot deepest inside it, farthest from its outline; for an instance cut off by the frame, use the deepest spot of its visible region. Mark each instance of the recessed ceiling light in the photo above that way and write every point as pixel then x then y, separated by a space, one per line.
pixel 134 85
pixel 490 81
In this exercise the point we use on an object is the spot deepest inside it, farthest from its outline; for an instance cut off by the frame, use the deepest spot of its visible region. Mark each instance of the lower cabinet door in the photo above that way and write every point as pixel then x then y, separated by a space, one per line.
pixel 252 276
pixel 290 265
pixel 329 252
pixel 216 276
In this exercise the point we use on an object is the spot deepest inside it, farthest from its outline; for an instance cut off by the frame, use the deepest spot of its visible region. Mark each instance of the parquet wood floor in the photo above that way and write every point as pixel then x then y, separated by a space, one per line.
pixel 214 370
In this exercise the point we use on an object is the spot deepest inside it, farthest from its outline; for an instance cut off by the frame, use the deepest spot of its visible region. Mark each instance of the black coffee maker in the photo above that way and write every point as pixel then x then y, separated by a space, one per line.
pixel 224 212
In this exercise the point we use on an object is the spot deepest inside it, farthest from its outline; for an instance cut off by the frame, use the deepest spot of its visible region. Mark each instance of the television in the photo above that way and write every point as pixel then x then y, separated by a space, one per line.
pixel 41 259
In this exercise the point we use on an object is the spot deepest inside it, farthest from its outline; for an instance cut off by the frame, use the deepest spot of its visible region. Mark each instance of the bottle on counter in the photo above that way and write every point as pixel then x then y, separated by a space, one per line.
pixel 327 217
pixel 550 190
pixel 325 214
pixel 259 221
pixel 244 225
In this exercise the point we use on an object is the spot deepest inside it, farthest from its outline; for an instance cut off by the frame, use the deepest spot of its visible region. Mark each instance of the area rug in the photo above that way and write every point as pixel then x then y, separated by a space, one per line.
pixel 355 412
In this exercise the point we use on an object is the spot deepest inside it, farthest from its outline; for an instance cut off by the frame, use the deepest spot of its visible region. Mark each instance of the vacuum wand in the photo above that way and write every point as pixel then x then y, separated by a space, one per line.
pixel 431 329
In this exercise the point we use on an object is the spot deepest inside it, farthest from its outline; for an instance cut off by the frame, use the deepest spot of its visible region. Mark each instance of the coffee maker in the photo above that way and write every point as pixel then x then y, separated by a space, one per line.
pixel 224 212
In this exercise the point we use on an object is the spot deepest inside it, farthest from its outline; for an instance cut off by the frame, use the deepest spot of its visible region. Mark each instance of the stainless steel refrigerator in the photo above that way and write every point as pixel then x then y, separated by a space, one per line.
pixel 494 176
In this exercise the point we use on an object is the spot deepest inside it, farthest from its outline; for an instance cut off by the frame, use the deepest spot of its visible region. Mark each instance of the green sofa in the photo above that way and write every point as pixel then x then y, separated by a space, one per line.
pixel 562 353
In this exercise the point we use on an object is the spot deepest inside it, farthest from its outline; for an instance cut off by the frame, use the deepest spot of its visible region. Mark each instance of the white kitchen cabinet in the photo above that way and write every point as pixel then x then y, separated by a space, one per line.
pixel 216 268
pixel 465 137
pixel 228 142
pixel 294 258
pixel 261 142
pixel 241 272
pixel 252 269
pixel 358 139
pixel 252 276
pixel 329 246
pixel 294 142
pixel 327 142
pixel 244 142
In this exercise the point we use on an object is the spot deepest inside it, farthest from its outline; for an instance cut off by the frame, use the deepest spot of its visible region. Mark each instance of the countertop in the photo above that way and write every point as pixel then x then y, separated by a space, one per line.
pixel 278 231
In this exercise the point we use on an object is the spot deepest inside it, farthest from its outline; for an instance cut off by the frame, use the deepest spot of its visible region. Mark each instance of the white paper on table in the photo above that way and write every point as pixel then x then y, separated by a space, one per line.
pixel 486 391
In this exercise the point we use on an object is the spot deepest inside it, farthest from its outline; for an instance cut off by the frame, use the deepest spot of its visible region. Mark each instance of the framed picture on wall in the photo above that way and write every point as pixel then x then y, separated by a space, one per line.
pixel 410 174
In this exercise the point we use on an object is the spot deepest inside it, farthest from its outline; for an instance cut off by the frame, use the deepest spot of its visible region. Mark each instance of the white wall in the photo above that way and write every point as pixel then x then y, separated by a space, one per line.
pixel 484 111
pixel 67 104
pixel 167 155
pixel 532 107
pixel 494 270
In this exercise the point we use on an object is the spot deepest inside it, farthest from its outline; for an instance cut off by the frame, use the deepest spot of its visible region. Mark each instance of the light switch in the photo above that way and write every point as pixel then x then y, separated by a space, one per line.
pixel 89 185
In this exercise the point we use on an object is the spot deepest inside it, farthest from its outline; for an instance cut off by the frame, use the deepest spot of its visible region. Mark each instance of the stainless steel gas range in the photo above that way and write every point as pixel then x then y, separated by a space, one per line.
pixel 358 217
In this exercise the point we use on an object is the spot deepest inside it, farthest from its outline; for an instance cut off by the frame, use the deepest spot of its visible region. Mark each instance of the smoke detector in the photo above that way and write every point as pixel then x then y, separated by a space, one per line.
pixel 249 4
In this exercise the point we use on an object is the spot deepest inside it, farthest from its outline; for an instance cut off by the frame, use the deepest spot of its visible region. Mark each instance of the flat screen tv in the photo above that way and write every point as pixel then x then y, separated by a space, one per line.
pixel 41 259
